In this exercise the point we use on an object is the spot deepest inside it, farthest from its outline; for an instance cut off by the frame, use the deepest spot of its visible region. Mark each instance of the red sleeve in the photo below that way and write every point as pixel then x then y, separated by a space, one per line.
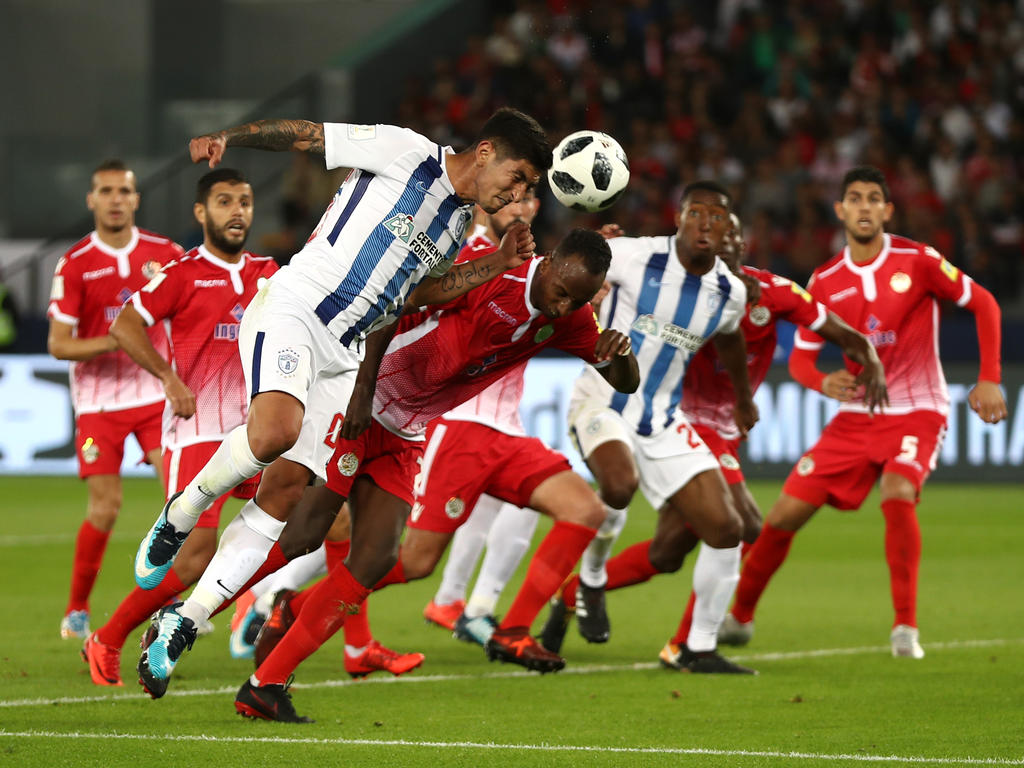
pixel 791 302
pixel 943 279
pixel 579 333
pixel 803 367
pixel 163 295
pixel 987 319
pixel 269 268
pixel 66 292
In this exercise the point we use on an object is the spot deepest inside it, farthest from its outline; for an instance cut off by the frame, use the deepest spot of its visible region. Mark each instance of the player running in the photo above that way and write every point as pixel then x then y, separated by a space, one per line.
pixel 393 229
pixel 888 287
pixel 111 395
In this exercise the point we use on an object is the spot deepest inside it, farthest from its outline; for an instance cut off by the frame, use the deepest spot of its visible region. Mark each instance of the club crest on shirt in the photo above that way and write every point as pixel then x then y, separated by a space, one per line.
pixel 348 464
pixel 287 361
pixel 805 466
pixel 150 269
pixel 454 507
pixel 728 461
pixel 713 301
pixel 900 282
pixel 760 315
pixel 90 451
pixel 543 333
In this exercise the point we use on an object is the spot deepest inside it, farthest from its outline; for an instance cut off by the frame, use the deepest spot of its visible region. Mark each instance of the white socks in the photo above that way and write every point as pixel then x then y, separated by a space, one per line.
pixel 465 549
pixel 507 542
pixel 244 546
pixel 231 464
pixel 592 572
pixel 715 576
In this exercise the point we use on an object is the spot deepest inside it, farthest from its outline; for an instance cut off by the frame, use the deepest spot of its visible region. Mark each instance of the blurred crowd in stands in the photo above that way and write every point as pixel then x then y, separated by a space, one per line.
pixel 774 98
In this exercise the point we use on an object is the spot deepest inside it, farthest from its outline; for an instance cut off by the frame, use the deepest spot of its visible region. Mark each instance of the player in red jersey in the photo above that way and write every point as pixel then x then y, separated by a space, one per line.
pixel 200 297
pixel 888 287
pixel 708 395
pixel 111 395
pixel 437 360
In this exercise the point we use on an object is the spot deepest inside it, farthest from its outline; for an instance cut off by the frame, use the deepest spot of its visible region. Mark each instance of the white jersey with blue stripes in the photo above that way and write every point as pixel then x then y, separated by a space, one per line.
pixel 394 220
pixel 670 314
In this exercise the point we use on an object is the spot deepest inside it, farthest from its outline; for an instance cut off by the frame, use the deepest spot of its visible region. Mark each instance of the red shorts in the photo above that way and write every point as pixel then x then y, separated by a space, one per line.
pixel 464 459
pixel 99 437
pixel 726 451
pixel 855 449
pixel 183 464
pixel 392 462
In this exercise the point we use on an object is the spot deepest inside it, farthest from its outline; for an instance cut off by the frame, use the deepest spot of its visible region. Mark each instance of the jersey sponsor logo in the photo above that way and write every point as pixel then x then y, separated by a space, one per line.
pixel 90 451
pixel 543 333
pixel 426 250
pixel 123 295
pixel 216 283
pixel 900 282
pixel 226 331
pixel 401 225
pixel 150 269
pixel 805 466
pixel 508 318
pixel 877 337
pixel 728 461
pixel 362 132
pixel 348 463
pixel 287 361
pixel 670 333
pixel 57 288
pixel 237 311
pixel 96 274
pixel 454 507
pixel 843 294
pixel 110 313
pixel 760 315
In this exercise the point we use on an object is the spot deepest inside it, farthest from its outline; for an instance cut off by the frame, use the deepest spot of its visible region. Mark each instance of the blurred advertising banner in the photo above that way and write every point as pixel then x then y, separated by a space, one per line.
pixel 37 425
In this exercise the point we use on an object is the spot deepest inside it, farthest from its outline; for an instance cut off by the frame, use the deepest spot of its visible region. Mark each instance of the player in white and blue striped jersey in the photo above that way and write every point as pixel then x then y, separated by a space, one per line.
pixel 673 294
pixel 390 235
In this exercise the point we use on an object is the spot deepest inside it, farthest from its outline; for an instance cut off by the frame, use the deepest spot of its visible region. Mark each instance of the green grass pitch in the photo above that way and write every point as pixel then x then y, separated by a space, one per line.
pixel 828 692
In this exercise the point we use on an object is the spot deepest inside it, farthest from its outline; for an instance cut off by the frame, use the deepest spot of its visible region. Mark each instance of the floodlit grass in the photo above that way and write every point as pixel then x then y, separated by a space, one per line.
pixel 828 692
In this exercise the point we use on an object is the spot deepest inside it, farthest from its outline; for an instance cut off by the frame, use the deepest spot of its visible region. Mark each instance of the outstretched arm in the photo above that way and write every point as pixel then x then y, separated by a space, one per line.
pixel 129 328
pixel 856 346
pixel 732 352
pixel 273 135
pixel 359 411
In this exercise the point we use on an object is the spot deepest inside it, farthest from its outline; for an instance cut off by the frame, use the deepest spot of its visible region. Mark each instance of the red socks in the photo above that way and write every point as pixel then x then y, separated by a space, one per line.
pixel 357 625
pixel 551 564
pixel 137 607
pixel 630 566
pixel 903 552
pixel 90 545
pixel 325 610
pixel 763 560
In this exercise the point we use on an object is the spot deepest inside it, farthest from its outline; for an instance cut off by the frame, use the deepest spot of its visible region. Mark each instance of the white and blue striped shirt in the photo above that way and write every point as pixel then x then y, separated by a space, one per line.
pixel 394 220
pixel 670 314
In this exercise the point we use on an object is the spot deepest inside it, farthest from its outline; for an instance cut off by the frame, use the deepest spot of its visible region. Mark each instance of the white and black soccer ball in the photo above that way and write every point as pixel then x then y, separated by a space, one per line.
pixel 589 171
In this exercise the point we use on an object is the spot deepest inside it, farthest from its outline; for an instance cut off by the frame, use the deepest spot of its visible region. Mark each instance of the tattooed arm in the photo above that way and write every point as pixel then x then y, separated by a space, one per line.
pixel 275 135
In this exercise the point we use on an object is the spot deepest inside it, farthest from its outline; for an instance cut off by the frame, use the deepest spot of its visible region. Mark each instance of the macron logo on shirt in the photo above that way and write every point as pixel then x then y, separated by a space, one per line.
pixel 502 313
pixel 210 283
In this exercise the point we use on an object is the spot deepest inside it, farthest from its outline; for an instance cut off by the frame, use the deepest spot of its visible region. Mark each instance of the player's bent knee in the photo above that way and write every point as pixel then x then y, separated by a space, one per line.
pixel 619 493
pixel 664 559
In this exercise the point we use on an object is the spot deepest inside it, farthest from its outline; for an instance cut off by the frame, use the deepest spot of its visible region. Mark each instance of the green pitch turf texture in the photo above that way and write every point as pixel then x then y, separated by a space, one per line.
pixel 828 693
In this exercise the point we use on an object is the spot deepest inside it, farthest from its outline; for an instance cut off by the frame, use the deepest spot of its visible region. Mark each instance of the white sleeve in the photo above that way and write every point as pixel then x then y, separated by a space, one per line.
pixel 369 147
pixel 622 258
pixel 734 309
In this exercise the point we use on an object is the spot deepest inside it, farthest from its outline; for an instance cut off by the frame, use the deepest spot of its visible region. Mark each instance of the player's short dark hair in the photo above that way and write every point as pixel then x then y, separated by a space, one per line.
pixel 206 182
pixel 112 164
pixel 706 185
pixel 518 136
pixel 869 175
pixel 590 246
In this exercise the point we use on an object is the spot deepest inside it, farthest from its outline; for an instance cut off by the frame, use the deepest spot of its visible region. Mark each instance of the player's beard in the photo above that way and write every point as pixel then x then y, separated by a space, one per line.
pixel 220 239
pixel 864 239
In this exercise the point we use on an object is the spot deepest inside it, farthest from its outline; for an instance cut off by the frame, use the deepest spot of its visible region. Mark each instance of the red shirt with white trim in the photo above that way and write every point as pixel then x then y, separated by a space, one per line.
pixel 90 285
pixel 443 356
pixel 708 396
pixel 200 298
pixel 893 300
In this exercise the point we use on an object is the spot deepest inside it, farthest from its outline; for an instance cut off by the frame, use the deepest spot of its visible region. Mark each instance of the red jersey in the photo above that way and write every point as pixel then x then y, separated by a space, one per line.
pixel 892 300
pixel 201 299
pixel 443 356
pixel 91 284
pixel 708 396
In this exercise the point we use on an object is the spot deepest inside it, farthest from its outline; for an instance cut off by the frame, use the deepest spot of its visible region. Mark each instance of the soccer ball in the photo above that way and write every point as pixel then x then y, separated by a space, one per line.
pixel 589 171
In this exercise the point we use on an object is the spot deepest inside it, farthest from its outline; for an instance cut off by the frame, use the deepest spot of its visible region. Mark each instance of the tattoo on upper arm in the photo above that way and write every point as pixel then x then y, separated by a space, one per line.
pixel 278 135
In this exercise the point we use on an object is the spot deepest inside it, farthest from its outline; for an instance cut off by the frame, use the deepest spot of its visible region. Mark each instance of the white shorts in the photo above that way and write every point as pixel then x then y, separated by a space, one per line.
pixel 285 348
pixel 666 461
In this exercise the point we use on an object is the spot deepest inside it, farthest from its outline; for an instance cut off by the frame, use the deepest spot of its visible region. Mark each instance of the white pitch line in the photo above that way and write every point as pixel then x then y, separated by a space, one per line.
pixel 588 669
pixel 914 760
